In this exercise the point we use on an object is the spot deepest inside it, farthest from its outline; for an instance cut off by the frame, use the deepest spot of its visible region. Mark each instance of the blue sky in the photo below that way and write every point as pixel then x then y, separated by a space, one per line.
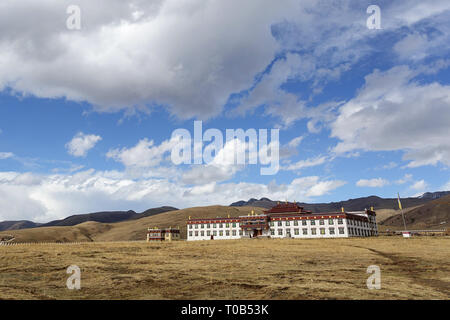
pixel 86 116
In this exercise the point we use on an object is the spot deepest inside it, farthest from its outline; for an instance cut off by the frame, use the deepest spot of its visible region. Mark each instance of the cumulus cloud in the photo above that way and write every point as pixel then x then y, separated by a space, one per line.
pixel 81 143
pixel 188 56
pixel 144 154
pixel 372 183
pixel 394 112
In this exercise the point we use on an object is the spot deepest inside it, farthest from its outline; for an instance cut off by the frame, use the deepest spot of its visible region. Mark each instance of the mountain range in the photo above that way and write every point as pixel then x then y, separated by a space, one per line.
pixel 351 204
pixel 432 209
pixel 104 217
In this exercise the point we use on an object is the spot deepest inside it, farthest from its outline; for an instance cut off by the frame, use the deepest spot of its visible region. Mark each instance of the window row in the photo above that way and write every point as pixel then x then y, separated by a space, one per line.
pixel 357 223
pixel 214 233
pixel 360 232
pixel 214 225
pixel 320 222
pixel 322 231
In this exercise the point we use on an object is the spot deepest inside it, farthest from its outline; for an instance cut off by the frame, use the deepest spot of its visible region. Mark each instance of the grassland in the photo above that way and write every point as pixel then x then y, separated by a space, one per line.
pixel 416 268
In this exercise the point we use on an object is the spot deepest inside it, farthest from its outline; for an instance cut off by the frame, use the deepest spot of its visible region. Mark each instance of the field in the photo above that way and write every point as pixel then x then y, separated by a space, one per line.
pixel 416 268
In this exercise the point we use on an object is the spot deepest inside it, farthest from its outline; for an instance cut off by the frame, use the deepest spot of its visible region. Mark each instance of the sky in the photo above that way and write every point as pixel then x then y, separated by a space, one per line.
pixel 90 98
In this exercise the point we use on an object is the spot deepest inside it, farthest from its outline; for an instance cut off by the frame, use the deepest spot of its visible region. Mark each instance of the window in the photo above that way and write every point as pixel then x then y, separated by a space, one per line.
pixel 214 233
pixel 295 223
pixel 220 225
pixel 272 232
pixel 288 232
pixel 304 223
pixel 196 226
pixel 279 223
pixel 227 225
pixel 288 223
pixel 341 230
pixel 313 222
pixel 321 222
pixel 203 226
pixel 331 230
pixel 208 233
pixel 190 233
pixel 280 232
pixel 305 231
pixel 190 226
pixel 272 223
pixel 296 231
pixel 330 221
pixel 322 231
pixel 340 221
pixel 208 226
pixel 203 233
pixel 313 231
pixel 227 233
pixel 221 233
pixel 234 232
pixel 234 224
pixel 196 233
pixel 240 232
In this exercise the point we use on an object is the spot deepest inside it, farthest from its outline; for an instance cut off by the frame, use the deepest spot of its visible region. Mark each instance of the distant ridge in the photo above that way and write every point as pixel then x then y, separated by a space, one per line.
pixel 104 217
pixel 17 225
pixel 351 204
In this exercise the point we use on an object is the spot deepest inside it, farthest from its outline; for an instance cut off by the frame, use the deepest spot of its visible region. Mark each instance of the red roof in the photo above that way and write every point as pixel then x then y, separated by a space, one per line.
pixel 286 207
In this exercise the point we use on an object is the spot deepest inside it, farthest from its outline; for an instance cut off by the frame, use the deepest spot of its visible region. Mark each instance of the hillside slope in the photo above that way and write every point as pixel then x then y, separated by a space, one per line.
pixel 434 214
pixel 16 225
pixel 126 230
pixel 105 217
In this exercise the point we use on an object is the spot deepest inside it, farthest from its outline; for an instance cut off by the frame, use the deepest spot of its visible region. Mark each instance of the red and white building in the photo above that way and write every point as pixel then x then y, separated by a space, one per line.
pixel 286 220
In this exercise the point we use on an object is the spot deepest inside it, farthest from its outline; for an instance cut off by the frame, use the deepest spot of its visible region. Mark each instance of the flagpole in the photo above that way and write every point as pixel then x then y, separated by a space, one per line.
pixel 401 209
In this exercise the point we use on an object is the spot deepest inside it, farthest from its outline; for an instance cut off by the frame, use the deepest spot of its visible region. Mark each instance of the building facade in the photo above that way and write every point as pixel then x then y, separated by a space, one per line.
pixel 287 220
pixel 167 234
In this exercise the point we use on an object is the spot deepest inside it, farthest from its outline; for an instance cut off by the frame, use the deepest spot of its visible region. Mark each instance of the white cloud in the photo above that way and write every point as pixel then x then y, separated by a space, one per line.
pixel 372 183
pixel 144 154
pixel 186 55
pixel 296 141
pixel 406 178
pixel 311 162
pixel 81 143
pixel 420 185
pixel 6 155
pixel 446 187
pixel 189 56
pixel 394 112
pixel 46 197
pixel 390 165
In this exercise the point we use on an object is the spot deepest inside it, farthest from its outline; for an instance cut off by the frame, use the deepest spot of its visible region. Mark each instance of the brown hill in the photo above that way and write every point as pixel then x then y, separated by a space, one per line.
pixel 126 230
pixel 432 215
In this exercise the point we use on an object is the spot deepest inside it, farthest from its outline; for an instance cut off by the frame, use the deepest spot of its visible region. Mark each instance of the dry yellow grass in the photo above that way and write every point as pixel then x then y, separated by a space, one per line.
pixel 416 268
